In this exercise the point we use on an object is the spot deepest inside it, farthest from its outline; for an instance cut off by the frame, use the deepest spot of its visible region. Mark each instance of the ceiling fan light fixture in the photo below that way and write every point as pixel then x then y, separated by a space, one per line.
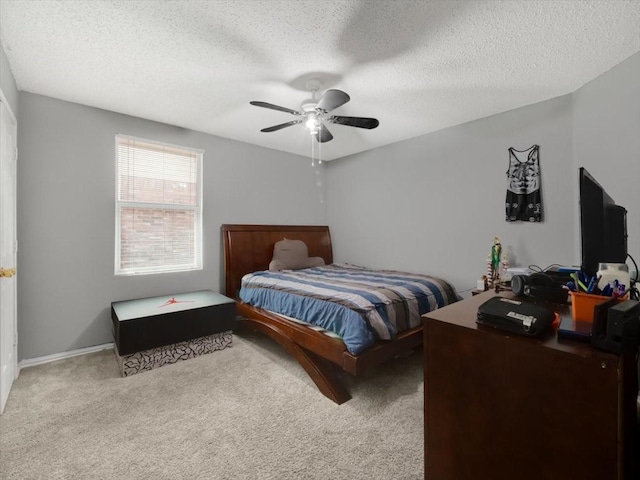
pixel 312 123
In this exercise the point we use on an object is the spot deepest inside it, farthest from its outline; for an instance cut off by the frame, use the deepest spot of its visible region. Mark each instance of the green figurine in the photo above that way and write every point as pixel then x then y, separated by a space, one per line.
pixel 496 254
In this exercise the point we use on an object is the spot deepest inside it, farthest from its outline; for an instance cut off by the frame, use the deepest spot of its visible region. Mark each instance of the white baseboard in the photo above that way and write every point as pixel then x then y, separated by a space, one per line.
pixel 31 362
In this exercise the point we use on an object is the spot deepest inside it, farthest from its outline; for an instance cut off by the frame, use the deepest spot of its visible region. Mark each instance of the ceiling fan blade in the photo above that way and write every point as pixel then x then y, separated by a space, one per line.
pixel 323 135
pixel 332 99
pixel 360 122
pixel 282 125
pixel 275 107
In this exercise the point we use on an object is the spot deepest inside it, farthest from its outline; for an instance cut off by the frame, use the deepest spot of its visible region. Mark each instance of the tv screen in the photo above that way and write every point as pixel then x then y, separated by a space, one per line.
pixel 603 226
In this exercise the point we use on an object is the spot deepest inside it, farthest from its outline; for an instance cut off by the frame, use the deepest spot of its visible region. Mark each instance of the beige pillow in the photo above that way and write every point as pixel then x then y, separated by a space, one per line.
pixel 292 255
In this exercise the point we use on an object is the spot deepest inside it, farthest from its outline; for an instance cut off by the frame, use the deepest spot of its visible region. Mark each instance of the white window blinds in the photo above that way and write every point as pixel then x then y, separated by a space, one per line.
pixel 158 207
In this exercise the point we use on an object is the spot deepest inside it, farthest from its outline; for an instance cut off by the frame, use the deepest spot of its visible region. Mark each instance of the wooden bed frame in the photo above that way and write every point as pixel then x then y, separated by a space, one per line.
pixel 249 248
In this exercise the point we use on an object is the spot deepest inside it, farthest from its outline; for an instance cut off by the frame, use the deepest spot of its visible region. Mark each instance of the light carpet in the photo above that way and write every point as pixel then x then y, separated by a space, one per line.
pixel 246 412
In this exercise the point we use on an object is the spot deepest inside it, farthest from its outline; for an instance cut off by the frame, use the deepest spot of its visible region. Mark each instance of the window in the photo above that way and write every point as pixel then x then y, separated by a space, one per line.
pixel 158 207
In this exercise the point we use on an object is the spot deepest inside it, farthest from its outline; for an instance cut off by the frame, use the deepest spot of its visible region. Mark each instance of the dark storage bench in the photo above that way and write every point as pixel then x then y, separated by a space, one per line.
pixel 151 332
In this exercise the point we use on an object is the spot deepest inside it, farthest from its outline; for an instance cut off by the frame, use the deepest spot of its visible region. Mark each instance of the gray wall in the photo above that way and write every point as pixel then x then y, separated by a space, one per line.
pixel 434 203
pixel 8 83
pixel 66 215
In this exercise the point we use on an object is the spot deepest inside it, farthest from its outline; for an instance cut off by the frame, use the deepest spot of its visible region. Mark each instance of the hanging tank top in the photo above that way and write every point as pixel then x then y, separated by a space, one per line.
pixel 523 187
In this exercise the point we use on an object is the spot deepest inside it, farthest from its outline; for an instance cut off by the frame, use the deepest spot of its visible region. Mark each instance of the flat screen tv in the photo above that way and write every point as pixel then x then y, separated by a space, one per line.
pixel 603 226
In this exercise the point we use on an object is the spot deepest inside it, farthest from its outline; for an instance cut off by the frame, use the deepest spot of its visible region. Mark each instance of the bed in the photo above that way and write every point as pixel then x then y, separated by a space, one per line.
pixel 249 249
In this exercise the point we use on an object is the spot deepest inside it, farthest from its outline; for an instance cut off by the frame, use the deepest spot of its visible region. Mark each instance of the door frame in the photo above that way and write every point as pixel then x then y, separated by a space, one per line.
pixel 14 369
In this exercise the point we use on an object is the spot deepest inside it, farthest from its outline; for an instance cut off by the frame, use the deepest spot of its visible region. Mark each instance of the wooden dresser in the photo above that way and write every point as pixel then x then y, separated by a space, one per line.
pixel 502 406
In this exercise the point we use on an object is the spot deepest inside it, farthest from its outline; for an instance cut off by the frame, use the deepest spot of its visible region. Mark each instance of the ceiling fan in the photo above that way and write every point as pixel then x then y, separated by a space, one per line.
pixel 314 112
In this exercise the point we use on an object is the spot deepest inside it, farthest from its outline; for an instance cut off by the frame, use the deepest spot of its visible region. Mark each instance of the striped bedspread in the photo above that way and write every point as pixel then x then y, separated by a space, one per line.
pixel 358 304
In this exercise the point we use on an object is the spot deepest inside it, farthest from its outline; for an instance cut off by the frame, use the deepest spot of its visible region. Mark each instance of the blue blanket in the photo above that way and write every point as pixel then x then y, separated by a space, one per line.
pixel 360 305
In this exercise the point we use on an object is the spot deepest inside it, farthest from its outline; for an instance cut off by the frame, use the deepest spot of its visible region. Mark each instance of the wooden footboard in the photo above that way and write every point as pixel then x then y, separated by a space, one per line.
pixel 308 349
pixel 382 351
pixel 321 355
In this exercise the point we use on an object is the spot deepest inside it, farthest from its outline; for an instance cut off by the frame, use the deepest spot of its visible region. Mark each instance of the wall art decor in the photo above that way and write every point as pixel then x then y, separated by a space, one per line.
pixel 523 185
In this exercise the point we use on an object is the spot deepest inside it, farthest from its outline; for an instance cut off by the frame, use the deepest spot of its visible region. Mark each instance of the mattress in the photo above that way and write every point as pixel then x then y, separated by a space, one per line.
pixel 358 304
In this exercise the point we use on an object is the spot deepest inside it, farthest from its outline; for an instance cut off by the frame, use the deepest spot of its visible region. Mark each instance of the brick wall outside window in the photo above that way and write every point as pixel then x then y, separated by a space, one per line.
pixel 151 237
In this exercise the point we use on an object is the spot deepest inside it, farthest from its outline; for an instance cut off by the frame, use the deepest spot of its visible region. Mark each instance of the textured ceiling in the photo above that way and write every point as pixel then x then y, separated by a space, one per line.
pixel 417 66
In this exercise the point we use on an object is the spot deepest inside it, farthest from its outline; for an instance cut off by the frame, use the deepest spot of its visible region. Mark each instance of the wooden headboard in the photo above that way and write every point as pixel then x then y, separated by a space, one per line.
pixel 249 248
